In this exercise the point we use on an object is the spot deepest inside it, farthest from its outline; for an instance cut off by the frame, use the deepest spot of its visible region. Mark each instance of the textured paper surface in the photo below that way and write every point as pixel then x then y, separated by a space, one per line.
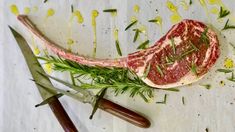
pixel 212 109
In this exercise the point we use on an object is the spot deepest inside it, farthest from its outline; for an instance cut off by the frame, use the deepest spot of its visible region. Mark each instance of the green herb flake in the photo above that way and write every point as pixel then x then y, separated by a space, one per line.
pixel 45 1
pixel 183 100
pixel 137 31
pixel 223 12
pixel 231 78
pixel 207 86
pixel 224 70
pixel 164 101
pixel 173 45
pixel 72 8
pixel 193 46
pixel 118 48
pixel 190 2
pixel 172 89
pixel 143 45
pixel 110 10
pixel 204 38
pixel 159 70
pixel 194 68
pixel 153 20
pixel 227 26
pixel 131 24
pixel 146 72
pixel 186 53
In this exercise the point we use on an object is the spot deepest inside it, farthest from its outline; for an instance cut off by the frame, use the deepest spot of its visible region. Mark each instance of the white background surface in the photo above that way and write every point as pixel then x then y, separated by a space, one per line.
pixel 213 109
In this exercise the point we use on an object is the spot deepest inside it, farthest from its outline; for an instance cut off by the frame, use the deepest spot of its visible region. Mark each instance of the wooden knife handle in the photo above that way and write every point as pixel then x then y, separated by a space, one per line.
pixel 62 116
pixel 124 113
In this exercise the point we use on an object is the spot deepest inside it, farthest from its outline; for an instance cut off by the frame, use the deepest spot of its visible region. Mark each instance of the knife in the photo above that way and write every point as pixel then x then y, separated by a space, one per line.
pixel 34 66
pixel 81 95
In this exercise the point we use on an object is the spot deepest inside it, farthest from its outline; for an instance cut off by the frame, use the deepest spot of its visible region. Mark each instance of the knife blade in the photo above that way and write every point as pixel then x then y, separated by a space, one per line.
pixel 34 66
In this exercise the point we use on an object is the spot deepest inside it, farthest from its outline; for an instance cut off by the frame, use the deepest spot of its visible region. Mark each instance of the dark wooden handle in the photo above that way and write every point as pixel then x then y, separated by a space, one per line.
pixel 124 113
pixel 62 116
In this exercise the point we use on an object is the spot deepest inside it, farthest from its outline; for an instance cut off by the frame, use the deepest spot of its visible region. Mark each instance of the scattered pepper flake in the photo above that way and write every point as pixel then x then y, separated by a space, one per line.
pixel 228 63
pixel 221 83
pixel 207 86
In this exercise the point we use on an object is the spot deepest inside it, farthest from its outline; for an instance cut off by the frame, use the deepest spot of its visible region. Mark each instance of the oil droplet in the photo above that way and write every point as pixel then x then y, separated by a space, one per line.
pixel 26 10
pixel 171 6
pixel 217 2
pixel 133 18
pixel 228 63
pixel 114 14
pixel 175 17
pixel 136 8
pixel 36 51
pixel 94 14
pixel 221 83
pixel 35 9
pixel 184 4
pixel 214 10
pixel 79 16
pixel 50 12
pixel 143 29
pixel 70 41
pixel 48 68
pixel 14 10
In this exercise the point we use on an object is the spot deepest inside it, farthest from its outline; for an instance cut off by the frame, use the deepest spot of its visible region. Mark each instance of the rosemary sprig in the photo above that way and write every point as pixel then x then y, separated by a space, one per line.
pixel 173 45
pixel 120 80
pixel 118 48
pixel 159 70
pixel 164 101
pixel 204 38
pixel 224 70
pixel 143 45
pixel 110 10
pixel 223 12
pixel 131 24
pixel 227 26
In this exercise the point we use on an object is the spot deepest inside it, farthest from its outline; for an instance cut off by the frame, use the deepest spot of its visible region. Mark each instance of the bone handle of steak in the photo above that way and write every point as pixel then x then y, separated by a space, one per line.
pixel 124 113
pixel 62 116
pixel 68 55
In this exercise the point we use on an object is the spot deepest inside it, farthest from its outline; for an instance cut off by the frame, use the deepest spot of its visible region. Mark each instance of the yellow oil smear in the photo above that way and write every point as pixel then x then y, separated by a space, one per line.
pixel 48 68
pixel 35 9
pixel 133 18
pixel 228 63
pixel 184 4
pixel 221 83
pixel 50 12
pixel 36 51
pixel 216 2
pixel 214 10
pixel 70 41
pixel 94 14
pixel 26 10
pixel 14 9
pixel 78 15
pixel 175 17
pixel 136 8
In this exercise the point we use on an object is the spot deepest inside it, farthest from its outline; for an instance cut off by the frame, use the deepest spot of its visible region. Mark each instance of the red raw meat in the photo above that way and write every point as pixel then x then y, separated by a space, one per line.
pixel 182 56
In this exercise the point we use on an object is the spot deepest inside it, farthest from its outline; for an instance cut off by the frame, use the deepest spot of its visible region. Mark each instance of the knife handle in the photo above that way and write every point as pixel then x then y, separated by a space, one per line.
pixel 124 113
pixel 62 116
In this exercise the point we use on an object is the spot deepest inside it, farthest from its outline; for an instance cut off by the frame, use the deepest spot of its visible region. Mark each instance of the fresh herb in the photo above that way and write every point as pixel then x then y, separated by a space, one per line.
pixel 72 8
pixel 159 70
pixel 169 61
pixel 164 101
pixel 120 80
pixel 186 53
pixel 118 48
pixel 110 10
pixel 131 24
pixel 153 20
pixel 137 31
pixel 231 78
pixel 207 130
pixel 227 26
pixel 190 2
pixel 45 1
pixel 72 78
pixel 194 68
pixel 224 70
pixel 173 45
pixel 172 89
pixel 194 47
pixel 204 38
pixel 207 86
pixel 143 45
pixel 146 72
pixel 223 12
pixel 183 100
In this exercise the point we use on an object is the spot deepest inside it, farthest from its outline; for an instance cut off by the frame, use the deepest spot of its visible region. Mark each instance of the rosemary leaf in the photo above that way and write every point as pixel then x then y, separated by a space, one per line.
pixel 186 53
pixel 137 31
pixel 204 38
pixel 159 70
pixel 118 48
pixel 190 2
pixel 72 78
pixel 45 1
pixel 224 70
pixel 153 20
pixel 194 68
pixel 164 101
pixel 143 45
pixel 172 89
pixel 183 100
pixel 173 45
pixel 110 10
pixel 194 47
pixel 131 24
pixel 223 12
pixel 207 86
pixel 72 8
pixel 231 78
pixel 227 26
pixel 146 72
